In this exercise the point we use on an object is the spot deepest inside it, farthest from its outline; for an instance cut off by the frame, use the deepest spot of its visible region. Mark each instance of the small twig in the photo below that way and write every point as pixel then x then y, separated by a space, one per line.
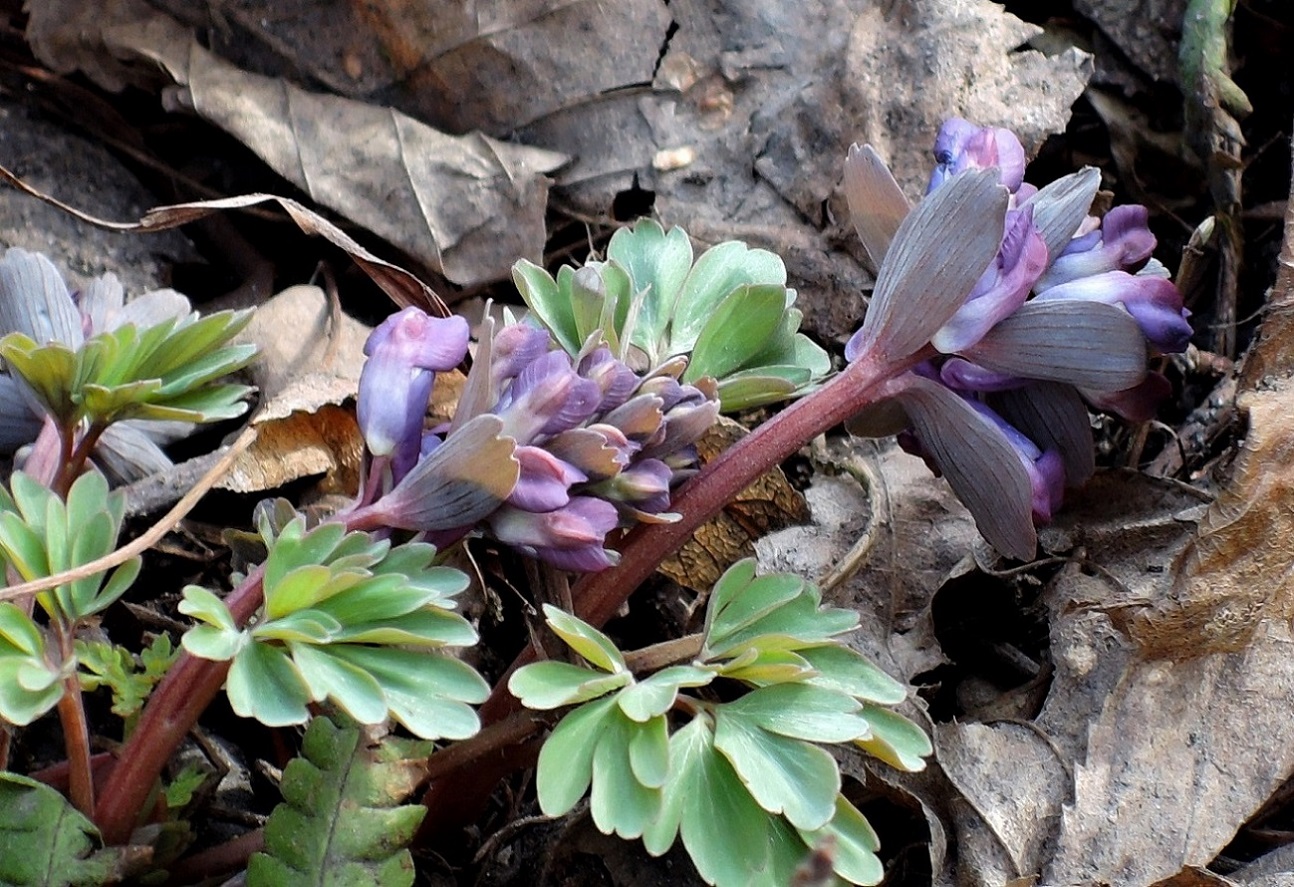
pixel 657 656
pixel 150 537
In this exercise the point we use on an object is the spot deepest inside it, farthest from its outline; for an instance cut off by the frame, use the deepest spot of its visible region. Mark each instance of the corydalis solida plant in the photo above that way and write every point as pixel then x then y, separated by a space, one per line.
pixel 1068 310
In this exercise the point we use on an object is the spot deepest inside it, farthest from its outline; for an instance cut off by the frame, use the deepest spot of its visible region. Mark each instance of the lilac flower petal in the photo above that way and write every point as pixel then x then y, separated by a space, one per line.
pixel 581 523
pixel 961 146
pixel 35 300
pixel 1087 344
pixel 545 481
pixel 1054 417
pixel 646 485
pixel 1153 301
pixel 1061 207
pixel 1125 243
pixel 939 252
pixel 1136 404
pixel 599 451
pixel 963 375
pixel 980 464
pixel 614 379
pixel 100 303
pixel 588 559
pixel 461 482
pixel 639 417
pixel 876 203
pixel 548 397
pixel 684 425
pixel 516 346
pixel 1021 258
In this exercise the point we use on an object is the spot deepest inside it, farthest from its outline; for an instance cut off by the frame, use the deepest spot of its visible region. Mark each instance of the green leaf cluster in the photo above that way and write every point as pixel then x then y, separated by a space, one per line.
pixel 41 535
pixel 45 842
pixel 349 619
pixel 339 822
pixel 130 679
pixel 745 782
pixel 168 371
pixel 731 312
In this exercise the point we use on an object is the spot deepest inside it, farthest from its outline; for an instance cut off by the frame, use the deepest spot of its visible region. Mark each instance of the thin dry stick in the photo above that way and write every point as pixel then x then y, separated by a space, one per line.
pixel 154 533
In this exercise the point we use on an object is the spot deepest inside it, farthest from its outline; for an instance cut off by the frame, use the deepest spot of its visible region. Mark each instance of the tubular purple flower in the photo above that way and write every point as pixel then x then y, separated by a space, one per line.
pixel 1046 469
pixel 645 486
pixel 545 480
pixel 1136 404
pixel 404 354
pixel 1002 288
pixel 961 145
pixel 513 348
pixel 572 534
pixel 1123 243
pixel 615 380
pixel 1153 302
pixel 548 397
pixel 963 375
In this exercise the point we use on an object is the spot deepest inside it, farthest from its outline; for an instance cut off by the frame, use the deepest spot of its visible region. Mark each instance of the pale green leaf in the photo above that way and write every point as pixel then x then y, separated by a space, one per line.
pixel 565 768
pixel 547 685
pixel 584 639
pixel 895 740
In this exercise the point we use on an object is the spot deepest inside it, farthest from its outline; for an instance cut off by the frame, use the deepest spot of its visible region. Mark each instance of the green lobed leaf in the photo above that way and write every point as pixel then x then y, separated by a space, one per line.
pixel 657 262
pixel 543 686
pixel 429 694
pixel 843 669
pixel 46 842
pixel 340 823
pixel 737 330
pixel 726 833
pixel 802 711
pixel 584 639
pixel 655 694
pixel 854 844
pixel 619 802
pixel 29 685
pixel 543 296
pixel 783 775
pixel 565 769
pixel 264 684
pixel 895 740
pixel 649 752
pixel 721 269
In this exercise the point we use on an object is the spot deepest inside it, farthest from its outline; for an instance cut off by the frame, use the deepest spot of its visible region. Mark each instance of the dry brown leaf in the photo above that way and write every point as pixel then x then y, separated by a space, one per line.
pixel 684 102
pixel 1197 734
pixel 305 371
pixel 1008 785
pixel 468 206
pixel 769 504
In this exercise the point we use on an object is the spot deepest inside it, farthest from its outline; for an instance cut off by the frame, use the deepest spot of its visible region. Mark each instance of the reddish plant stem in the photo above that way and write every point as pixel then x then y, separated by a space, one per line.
pixel 76 739
pixel 175 706
pixel 451 800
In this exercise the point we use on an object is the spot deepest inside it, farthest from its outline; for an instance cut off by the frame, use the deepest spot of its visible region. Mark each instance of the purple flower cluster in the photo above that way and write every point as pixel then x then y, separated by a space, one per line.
pixel 1065 314
pixel 545 453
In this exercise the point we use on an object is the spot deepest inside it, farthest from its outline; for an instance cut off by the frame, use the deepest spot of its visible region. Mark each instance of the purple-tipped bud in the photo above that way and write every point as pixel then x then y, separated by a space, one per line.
pixel 639 417
pixel 1122 243
pixel 599 450
pixel 548 397
pixel 645 486
pixel 404 354
pixel 961 145
pixel 682 426
pixel 515 347
pixel 614 379
pixel 1002 288
pixel 571 537
pixel 545 480
pixel 1153 301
